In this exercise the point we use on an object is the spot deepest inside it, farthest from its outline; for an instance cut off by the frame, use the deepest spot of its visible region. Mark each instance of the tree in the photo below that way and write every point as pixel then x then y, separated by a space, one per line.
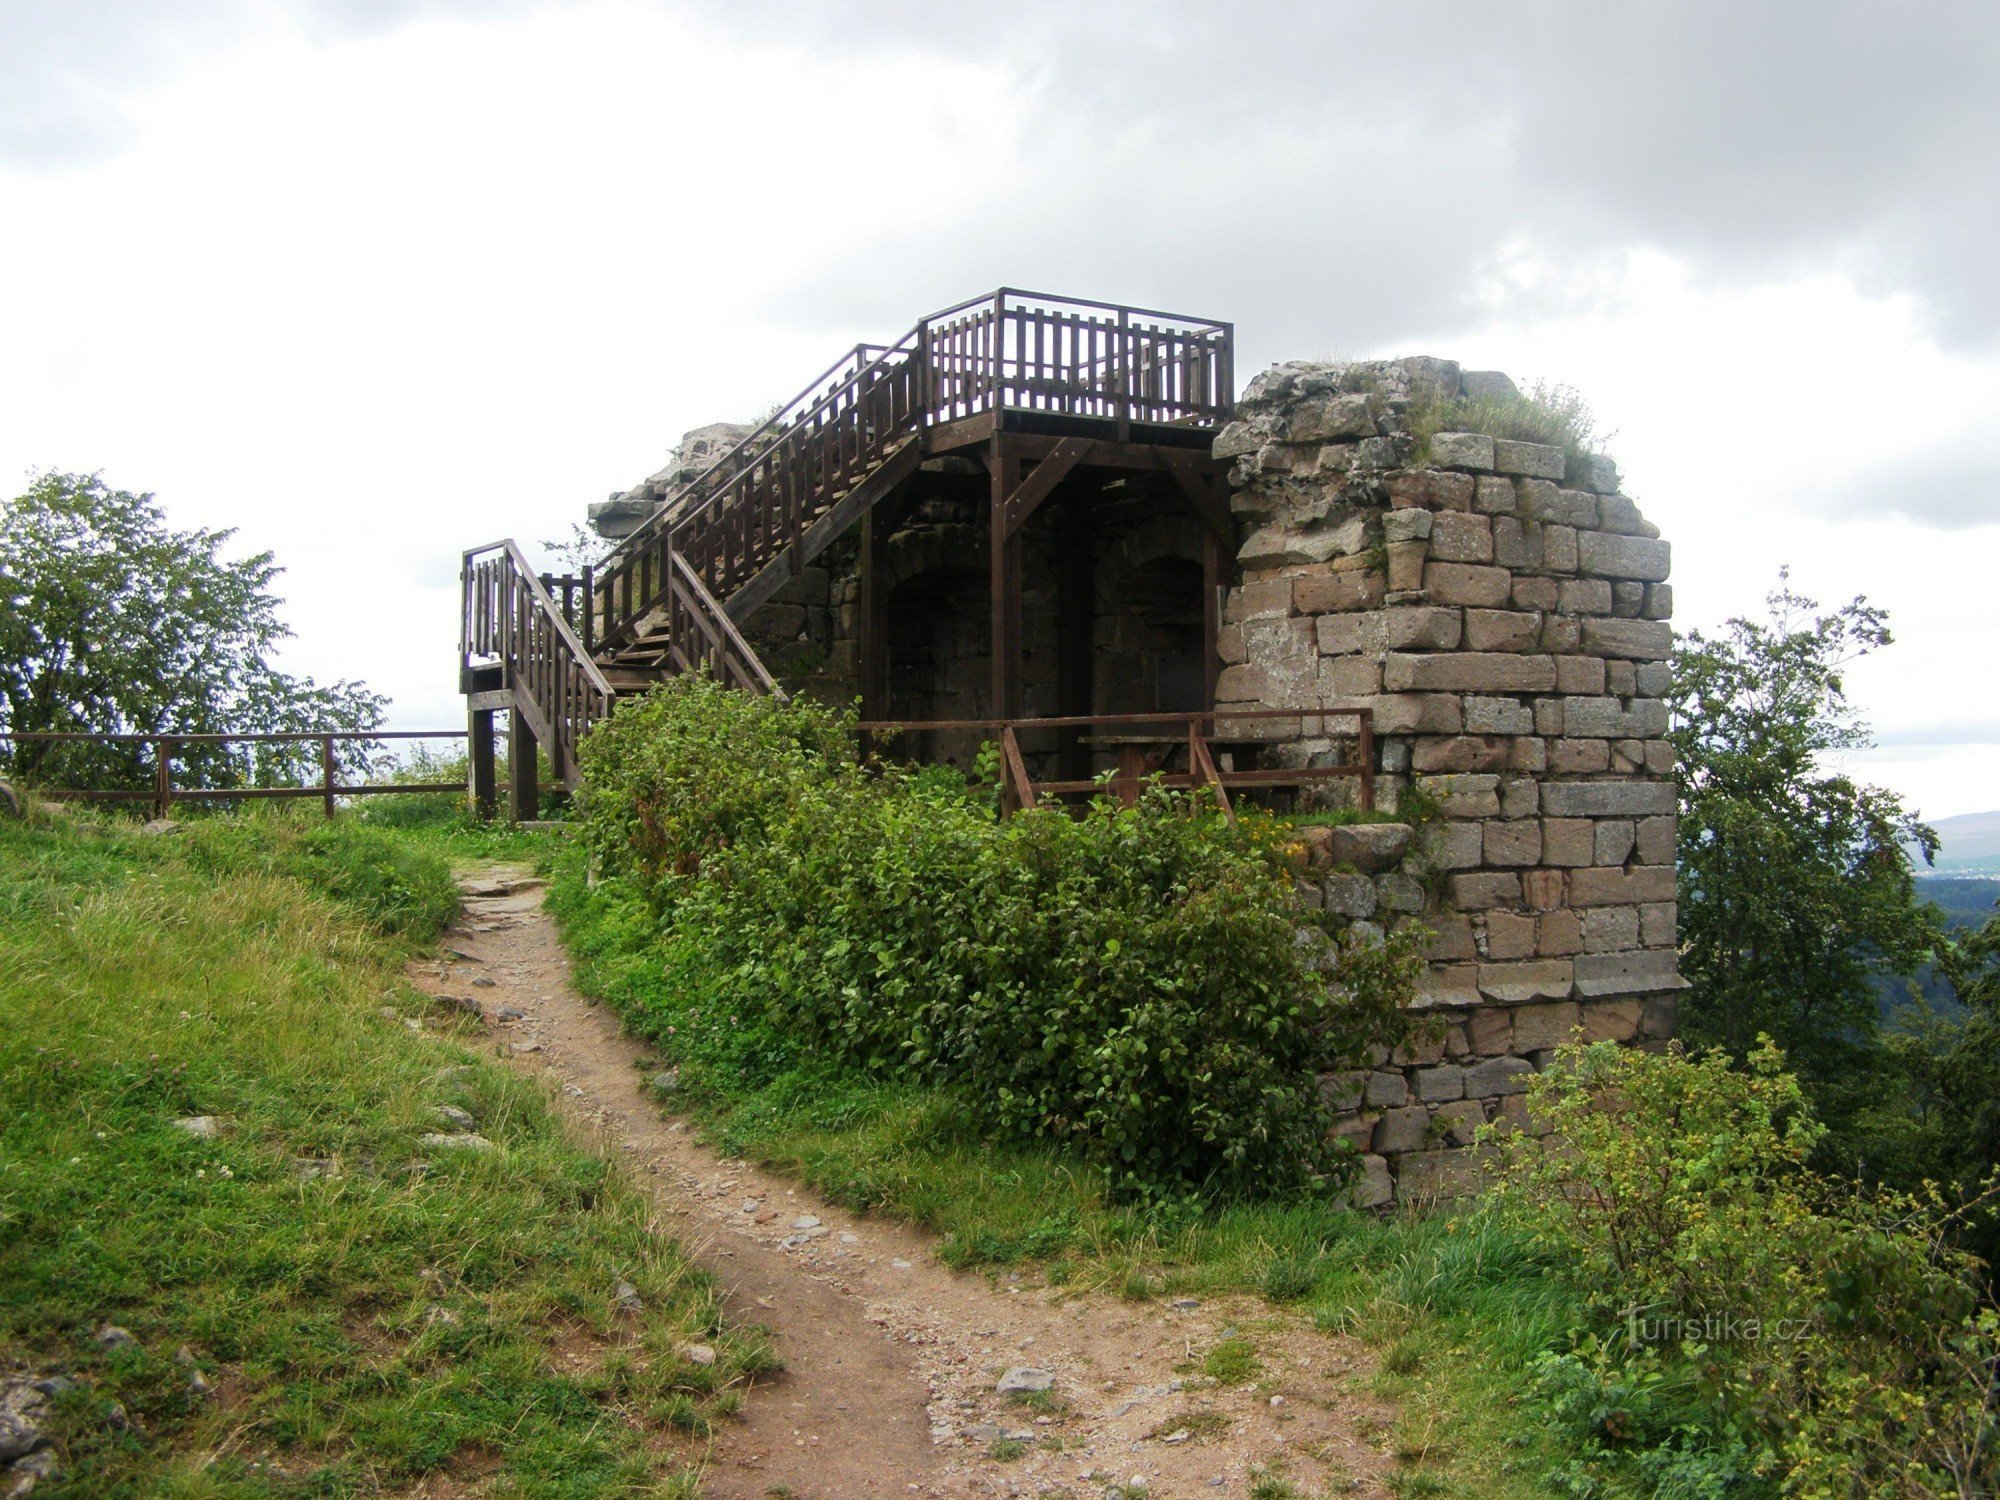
pixel 111 622
pixel 1796 887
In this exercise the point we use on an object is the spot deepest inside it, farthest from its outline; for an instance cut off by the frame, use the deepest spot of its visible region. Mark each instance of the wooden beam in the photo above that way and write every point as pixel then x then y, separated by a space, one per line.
pixel 483 784
pixel 1041 481
pixel 523 794
pixel 845 511
pixel 874 615
pixel 1195 477
pixel 1203 766
pixel 1076 583
pixel 1004 591
pixel 1214 579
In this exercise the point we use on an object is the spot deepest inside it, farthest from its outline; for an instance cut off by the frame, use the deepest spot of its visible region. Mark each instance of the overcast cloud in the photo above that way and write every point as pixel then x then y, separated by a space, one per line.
pixel 375 281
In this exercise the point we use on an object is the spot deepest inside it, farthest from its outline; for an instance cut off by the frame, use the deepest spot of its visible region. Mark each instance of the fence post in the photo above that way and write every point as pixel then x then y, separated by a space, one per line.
pixel 326 771
pixel 163 778
pixel 1366 748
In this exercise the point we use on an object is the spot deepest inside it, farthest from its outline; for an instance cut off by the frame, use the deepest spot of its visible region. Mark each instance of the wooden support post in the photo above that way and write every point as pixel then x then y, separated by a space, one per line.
pixel 1076 603
pixel 523 795
pixel 874 615
pixel 326 771
pixel 483 785
pixel 1214 579
pixel 163 777
pixel 1005 559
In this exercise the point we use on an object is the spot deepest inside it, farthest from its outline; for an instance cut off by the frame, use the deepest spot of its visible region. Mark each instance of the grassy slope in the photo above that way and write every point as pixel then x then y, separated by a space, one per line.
pixel 365 1329
pixel 1453 1302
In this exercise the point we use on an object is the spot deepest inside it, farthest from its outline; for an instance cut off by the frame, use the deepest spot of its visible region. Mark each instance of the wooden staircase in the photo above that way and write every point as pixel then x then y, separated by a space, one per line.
pixel 671 597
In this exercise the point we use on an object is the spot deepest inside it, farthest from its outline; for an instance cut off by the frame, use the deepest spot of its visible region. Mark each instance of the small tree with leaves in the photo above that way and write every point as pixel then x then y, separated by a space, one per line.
pixel 1796 885
pixel 112 622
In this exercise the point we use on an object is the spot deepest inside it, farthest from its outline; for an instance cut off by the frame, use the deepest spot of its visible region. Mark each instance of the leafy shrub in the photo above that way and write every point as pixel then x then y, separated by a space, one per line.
pixel 1746 1319
pixel 1138 982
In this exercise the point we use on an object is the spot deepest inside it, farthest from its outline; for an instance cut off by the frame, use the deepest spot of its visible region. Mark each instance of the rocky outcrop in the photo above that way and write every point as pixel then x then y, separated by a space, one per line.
pixel 626 510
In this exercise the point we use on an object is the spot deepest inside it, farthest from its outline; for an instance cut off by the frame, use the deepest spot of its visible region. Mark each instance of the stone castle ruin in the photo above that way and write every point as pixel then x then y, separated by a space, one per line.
pixel 1498 606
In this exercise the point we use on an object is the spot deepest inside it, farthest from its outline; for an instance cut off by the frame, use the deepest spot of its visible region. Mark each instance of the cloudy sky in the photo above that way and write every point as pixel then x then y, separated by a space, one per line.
pixel 375 280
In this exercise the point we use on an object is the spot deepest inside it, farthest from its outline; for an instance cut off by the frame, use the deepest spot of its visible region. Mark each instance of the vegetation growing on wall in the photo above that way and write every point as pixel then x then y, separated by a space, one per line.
pixel 1554 415
pixel 1139 984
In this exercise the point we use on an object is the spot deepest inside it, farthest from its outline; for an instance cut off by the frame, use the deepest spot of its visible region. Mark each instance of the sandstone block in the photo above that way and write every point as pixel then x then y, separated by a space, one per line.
pixel 1652 679
pixel 1611 718
pixel 1621 678
pixel 1338 592
pixel 1259 600
pixel 1584 596
pixel 1607 799
pixel 1418 713
pixel 1369 847
pixel 1461 537
pixel 1372 1185
pixel 1610 929
pixel 1460 753
pixel 1542 501
pixel 1561 636
pixel 1462 450
pixel 1514 843
pixel 1496 1077
pixel 1422 627
pixel 1438 1176
pixel 1659 1016
pixel 1493 496
pixel 1537 1026
pixel 1229 645
pixel 1636 973
pixel 1407 525
pixel 1615 837
pixel 1459 846
pixel 1531 979
pixel 1618 513
pixel 1543 890
pixel 1283 546
pixel 1344 635
pixel 1329 419
pixel 1559 552
pixel 1498 716
pixel 1520 797
pixel 1384 1090
pixel 1490 1031
pixel 1535 460
pixel 1517 543
pixel 1459 1121
pixel 1528 754
pixel 1558 934
pixel 1468 672
pixel 1465 794
pixel 1658 925
pixel 1465 583
pixel 1501 630
pixel 1603 554
pixel 1400 1130
pixel 1242 683
pixel 1628 598
pixel 1568 841
pixel 1350 895
pixel 1436 1084
pixel 1396 891
pixel 1659 601
pixel 1580 675
pixel 1535 593
pixel 1611 1020
pixel 1451 938
pixel 1578 757
pixel 1641 640
pixel 1594 471
pixel 1509 935
pixel 1615 887
pixel 1480 891
pixel 1237 439
pixel 1405 565
pixel 1349 677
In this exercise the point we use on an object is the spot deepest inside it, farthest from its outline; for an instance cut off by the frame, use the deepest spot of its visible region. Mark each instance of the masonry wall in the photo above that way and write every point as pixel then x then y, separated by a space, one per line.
pixel 1503 611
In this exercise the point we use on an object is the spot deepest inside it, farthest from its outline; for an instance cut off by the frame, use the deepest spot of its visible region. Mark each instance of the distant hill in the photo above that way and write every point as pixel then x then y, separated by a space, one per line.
pixel 1971 844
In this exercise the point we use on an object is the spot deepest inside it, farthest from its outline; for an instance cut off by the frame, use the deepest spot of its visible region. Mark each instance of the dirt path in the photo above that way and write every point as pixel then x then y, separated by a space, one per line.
pixel 891 1360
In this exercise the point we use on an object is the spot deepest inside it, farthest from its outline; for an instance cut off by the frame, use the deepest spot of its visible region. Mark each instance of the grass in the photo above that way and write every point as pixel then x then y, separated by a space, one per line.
pixel 1554 415
pixel 372 1313
pixel 1455 1300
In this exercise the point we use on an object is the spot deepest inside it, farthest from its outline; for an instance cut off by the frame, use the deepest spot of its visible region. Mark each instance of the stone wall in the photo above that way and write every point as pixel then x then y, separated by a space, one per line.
pixel 1502 609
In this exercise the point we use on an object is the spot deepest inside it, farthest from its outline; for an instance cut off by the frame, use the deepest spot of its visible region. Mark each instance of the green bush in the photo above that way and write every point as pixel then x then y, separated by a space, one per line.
pixel 1556 415
pixel 1749 1326
pixel 1140 983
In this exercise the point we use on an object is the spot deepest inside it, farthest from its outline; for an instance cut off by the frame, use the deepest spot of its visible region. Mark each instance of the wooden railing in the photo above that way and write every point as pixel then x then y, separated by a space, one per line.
pixel 1141 748
pixel 509 620
pixel 164 792
pixel 1013 350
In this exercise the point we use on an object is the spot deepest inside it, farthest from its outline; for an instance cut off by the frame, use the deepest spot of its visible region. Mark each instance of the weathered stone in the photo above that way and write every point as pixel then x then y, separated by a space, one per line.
pixel 1612 718
pixel 1435 1084
pixel 1022 1380
pixel 1577 757
pixel 1488 385
pixel 1237 439
pixel 1417 713
pixel 1468 672
pixel 1603 554
pixel 1583 596
pixel 22 1409
pixel 1467 584
pixel 1435 1176
pixel 1405 565
pixel 1287 546
pixel 1421 627
pixel 1541 501
pixel 201 1127
pixel 1462 450
pixel 1593 471
pixel 1459 846
pixel 1537 1026
pixel 1350 895
pixel 1459 1121
pixel 1659 601
pixel 1514 843
pixel 457 1140
pixel 1535 593
pixel 1372 1186
pixel 1606 799
pixel 1347 635
pixel 1518 983
pixel 1497 1076
pixel 1493 496
pixel 1490 1030
pixel 1402 1130
pixel 1581 675
pixel 1259 600
pixel 1659 1016
pixel 1634 973
pixel 1517 543
pixel 1536 460
pixel 1459 537
pixel 1618 887
pixel 1611 1020
pixel 1345 677
pixel 1332 593
pixel 1409 525
pixel 1386 1090
pixel 1369 847
pixel 1509 935
pixel 1543 890
pixel 1330 419
pixel 1641 640
pixel 1568 841
pixel 1460 753
pixel 1613 842
pixel 1469 794
pixel 1451 938
pixel 1520 797
pixel 1561 635
pixel 1618 513
pixel 1477 892
pixel 1558 934
pixel 1658 923
pixel 1610 929
pixel 1498 716
pixel 1502 630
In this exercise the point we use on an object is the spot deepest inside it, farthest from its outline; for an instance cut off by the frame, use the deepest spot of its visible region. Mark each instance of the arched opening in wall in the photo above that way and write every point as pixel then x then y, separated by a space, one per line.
pixel 1151 657
pixel 940 661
